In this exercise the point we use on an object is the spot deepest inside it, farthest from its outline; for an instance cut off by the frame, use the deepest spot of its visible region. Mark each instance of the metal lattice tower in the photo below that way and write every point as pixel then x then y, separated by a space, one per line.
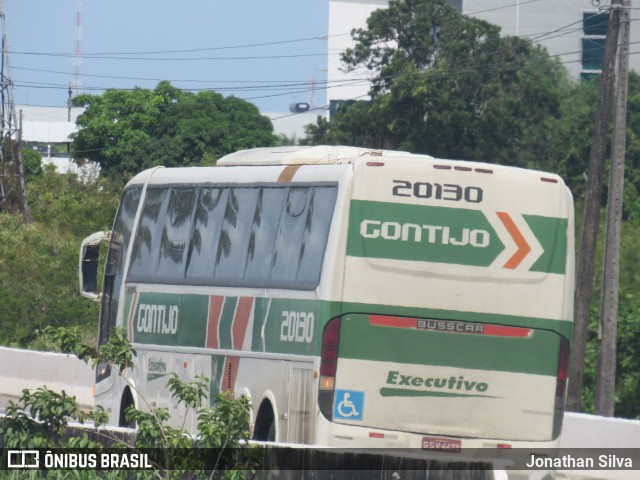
pixel 77 58
pixel 12 182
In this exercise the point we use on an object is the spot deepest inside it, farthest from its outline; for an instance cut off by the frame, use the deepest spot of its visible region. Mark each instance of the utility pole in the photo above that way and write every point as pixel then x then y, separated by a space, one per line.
pixel 606 369
pixel 12 170
pixel 24 205
pixel 591 215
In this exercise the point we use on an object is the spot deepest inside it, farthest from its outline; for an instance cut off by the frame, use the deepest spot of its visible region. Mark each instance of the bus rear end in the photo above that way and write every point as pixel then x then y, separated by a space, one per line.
pixel 461 382
pixel 455 321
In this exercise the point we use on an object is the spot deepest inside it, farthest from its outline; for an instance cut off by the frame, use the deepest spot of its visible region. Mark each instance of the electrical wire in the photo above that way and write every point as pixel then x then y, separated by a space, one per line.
pixel 271 85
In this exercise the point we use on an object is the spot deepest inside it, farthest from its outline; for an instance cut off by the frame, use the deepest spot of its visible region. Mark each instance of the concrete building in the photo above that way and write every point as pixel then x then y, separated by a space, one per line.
pixel 291 125
pixel 572 30
pixel 47 130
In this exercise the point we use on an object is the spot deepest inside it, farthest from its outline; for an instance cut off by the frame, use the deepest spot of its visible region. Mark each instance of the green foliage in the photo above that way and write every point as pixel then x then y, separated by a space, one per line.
pixel 40 420
pixel 222 428
pixel 69 340
pixel 32 162
pixel 128 131
pixel 632 161
pixel 569 142
pixel 628 345
pixel 39 261
pixel 628 360
pixel 117 351
pixel 449 86
pixel 38 282
pixel 64 203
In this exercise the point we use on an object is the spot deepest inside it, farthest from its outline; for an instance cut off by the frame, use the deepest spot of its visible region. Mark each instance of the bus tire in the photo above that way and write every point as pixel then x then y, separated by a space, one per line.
pixel 126 402
pixel 265 427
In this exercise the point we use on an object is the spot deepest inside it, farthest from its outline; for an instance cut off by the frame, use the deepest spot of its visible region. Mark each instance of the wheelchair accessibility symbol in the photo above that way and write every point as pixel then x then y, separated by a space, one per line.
pixel 348 405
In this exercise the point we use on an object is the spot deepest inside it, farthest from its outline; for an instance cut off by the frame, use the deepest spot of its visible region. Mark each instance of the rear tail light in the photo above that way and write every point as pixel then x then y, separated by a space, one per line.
pixel 561 386
pixel 563 362
pixel 329 355
pixel 328 367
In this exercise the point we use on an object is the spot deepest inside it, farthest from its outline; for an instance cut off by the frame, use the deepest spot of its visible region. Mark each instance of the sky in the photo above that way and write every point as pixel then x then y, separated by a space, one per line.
pixel 269 52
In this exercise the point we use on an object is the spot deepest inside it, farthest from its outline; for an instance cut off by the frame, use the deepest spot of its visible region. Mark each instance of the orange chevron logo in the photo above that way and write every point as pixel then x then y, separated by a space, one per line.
pixel 523 247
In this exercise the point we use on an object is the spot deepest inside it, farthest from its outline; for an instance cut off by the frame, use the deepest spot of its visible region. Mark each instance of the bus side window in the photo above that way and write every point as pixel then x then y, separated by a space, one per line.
pixel 114 267
pixel 234 238
pixel 290 232
pixel 264 230
pixel 146 247
pixel 176 234
pixel 316 231
pixel 258 236
pixel 302 236
pixel 210 209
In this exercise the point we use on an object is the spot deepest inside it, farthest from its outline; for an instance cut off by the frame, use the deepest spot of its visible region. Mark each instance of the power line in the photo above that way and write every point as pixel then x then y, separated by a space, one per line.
pixel 272 85
pixel 457 69
pixel 176 59
pixel 187 50
pixel 118 77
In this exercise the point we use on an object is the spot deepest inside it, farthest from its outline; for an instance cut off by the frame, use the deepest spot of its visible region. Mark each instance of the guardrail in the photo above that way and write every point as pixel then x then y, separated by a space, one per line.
pixel 20 369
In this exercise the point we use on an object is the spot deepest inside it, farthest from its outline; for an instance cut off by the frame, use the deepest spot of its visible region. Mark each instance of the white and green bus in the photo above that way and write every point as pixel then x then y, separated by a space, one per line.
pixel 357 298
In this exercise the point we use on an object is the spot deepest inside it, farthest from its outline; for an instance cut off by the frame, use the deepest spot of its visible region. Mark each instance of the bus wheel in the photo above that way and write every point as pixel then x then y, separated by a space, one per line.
pixel 265 427
pixel 127 400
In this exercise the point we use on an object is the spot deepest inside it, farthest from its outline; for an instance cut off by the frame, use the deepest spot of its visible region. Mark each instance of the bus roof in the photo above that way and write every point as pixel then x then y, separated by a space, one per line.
pixel 301 155
pixel 277 158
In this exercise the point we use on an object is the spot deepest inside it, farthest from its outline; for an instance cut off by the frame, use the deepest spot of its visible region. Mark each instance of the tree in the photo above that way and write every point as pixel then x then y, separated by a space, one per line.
pixel 39 261
pixel 570 141
pixel 32 162
pixel 38 282
pixel 128 131
pixel 449 86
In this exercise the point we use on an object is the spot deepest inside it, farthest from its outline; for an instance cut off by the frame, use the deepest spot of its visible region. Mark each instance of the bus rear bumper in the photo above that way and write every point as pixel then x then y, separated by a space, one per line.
pixel 503 456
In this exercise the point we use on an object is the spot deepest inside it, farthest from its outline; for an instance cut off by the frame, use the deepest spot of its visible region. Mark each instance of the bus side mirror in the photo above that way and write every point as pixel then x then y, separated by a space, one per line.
pixel 89 260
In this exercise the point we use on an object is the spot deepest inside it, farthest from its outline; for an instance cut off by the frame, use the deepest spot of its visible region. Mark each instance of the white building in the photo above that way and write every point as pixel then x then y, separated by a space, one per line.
pixel 291 125
pixel 567 28
pixel 47 129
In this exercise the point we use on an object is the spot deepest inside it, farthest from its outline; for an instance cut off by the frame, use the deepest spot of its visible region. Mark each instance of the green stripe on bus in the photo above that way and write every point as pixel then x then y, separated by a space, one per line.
pixel 537 354
pixel 171 319
pixel 260 311
pixel 422 233
pixel 405 392
pixel 217 372
pixel 562 327
pixel 445 235
pixel 194 314
pixel 226 321
pixel 552 235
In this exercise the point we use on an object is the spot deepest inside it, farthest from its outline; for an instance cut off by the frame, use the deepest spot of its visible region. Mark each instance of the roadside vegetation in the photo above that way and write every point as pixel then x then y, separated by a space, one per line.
pixel 41 419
